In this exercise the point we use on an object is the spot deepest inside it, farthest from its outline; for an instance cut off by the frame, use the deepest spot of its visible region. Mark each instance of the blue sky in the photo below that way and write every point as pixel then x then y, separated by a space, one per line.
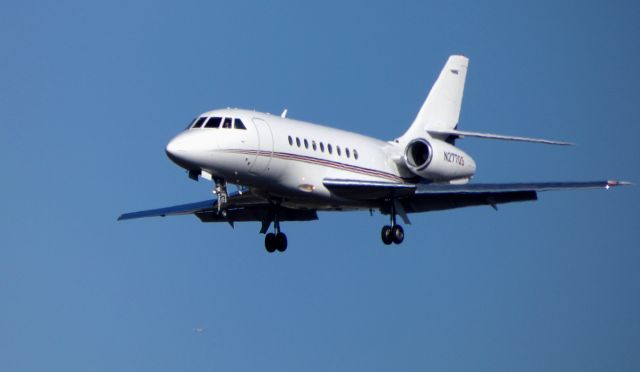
pixel 91 92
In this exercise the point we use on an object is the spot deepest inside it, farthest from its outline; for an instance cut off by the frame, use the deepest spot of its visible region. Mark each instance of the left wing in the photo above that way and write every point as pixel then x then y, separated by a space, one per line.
pixel 423 197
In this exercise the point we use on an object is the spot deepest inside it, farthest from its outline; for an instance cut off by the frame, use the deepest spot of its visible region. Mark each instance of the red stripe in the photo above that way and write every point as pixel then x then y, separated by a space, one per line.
pixel 324 162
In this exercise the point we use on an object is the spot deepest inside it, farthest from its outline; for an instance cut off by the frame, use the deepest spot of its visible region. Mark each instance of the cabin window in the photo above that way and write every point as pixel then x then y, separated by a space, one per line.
pixel 306 144
pixel 346 151
pixel 321 146
pixel 355 154
pixel 213 122
pixel 227 123
pixel 313 144
pixel 298 141
pixel 338 150
pixel 199 122
pixel 290 141
pixel 238 124
pixel 329 148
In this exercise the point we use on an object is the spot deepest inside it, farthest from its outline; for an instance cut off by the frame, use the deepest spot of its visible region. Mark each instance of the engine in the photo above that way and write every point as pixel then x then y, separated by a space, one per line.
pixel 437 160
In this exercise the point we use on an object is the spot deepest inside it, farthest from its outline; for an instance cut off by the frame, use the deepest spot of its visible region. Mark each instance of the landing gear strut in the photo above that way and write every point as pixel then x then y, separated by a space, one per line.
pixel 221 192
pixel 393 233
pixel 278 240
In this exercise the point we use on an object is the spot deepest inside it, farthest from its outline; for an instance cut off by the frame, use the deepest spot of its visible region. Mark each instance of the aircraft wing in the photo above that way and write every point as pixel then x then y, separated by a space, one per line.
pixel 170 211
pixel 427 197
pixel 239 208
pixel 235 200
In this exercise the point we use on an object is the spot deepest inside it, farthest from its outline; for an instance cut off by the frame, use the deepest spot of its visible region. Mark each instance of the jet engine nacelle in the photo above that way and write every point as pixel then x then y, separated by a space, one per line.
pixel 437 160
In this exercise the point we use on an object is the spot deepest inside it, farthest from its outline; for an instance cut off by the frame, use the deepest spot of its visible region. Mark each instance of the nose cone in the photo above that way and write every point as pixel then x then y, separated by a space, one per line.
pixel 173 149
pixel 179 152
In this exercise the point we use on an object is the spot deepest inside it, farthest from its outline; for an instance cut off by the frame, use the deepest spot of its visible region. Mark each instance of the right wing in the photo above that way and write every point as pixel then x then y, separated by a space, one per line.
pixel 239 208
pixel 175 210
pixel 235 200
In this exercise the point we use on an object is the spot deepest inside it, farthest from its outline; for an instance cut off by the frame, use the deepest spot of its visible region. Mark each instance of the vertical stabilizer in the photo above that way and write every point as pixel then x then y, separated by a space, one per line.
pixel 441 110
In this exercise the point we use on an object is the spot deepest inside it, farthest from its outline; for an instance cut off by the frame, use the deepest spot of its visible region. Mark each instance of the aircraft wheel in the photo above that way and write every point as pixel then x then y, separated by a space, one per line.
pixel 385 234
pixel 397 234
pixel 281 242
pixel 270 242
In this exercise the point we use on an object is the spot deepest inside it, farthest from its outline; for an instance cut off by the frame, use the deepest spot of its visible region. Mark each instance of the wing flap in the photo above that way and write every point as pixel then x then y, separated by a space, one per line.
pixel 368 190
pixel 256 213
pixel 437 202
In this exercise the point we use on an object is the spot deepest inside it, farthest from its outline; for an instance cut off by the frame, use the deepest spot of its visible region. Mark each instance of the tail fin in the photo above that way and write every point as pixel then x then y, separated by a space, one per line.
pixel 441 110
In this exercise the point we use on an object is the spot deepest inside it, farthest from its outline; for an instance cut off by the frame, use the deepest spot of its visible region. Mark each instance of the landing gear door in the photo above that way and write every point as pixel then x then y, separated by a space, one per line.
pixel 265 147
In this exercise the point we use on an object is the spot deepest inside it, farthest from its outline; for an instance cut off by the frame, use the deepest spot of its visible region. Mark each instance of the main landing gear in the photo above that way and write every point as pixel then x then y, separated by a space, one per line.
pixel 278 240
pixel 393 233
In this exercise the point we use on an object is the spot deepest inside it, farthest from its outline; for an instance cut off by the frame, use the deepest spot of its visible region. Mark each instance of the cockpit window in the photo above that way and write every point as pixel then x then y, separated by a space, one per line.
pixel 227 123
pixel 238 124
pixel 191 123
pixel 214 122
pixel 199 122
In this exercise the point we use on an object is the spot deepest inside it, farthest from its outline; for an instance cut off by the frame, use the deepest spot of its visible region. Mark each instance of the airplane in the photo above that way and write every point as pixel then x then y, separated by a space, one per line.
pixel 288 170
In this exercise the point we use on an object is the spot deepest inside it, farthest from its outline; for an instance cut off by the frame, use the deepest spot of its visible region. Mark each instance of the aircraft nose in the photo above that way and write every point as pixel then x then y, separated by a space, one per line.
pixel 176 149
pixel 171 149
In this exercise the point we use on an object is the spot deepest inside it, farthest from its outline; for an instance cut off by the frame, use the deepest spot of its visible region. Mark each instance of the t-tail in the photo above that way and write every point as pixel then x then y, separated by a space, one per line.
pixel 439 115
pixel 429 150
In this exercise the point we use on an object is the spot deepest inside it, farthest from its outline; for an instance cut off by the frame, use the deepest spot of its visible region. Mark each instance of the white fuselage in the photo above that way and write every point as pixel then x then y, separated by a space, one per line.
pixel 288 159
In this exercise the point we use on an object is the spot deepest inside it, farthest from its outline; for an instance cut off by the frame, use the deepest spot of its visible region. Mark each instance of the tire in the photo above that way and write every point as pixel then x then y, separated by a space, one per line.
pixel 385 234
pixel 397 234
pixel 270 242
pixel 281 242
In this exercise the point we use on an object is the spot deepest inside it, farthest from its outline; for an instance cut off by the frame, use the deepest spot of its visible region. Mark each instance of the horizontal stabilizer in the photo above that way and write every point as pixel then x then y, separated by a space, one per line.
pixel 461 134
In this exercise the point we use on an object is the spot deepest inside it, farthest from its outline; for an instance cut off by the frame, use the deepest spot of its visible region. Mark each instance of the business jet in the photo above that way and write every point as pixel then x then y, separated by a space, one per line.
pixel 288 170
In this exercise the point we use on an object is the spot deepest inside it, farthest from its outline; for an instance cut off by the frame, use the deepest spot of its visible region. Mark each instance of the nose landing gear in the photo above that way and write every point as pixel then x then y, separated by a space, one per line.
pixel 221 192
